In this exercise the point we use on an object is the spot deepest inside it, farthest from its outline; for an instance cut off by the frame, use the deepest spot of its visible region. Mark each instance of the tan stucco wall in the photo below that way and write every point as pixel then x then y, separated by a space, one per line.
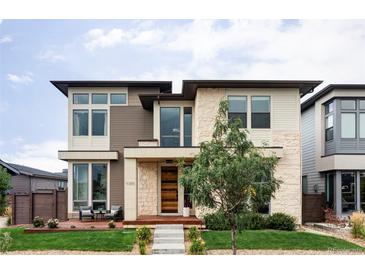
pixel 147 188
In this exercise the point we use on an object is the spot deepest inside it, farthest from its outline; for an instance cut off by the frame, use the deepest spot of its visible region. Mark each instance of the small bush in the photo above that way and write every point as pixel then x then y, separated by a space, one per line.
pixel 73 226
pixel 38 222
pixel 193 233
pixel 52 223
pixel 142 248
pixel 251 221
pixel 197 247
pixel 111 224
pixel 8 221
pixel 357 224
pixel 144 234
pixel 281 221
pixel 216 221
pixel 5 242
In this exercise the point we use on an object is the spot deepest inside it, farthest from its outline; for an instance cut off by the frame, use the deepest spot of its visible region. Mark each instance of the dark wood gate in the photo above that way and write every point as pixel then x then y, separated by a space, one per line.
pixel 45 204
pixel 312 209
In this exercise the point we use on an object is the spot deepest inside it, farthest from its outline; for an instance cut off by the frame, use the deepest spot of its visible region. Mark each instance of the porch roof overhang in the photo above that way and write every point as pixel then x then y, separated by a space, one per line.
pixel 341 162
pixel 68 155
pixel 163 153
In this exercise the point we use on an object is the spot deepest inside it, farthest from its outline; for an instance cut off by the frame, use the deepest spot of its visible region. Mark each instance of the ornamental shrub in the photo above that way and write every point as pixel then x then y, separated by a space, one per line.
pixel 252 221
pixel 193 233
pixel 111 224
pixel 38 222
pixel 281 221
pixel 216 221
pixel 5 242
pixel 357 224
pixel 197 247
pixel 52 223
pixel 144 234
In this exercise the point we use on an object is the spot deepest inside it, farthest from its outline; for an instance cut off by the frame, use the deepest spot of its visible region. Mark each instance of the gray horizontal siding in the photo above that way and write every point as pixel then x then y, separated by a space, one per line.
pixel 308 151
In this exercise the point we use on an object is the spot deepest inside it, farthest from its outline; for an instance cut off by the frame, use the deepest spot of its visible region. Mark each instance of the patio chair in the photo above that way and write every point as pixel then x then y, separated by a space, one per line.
pixel 115 213
pixel 86 212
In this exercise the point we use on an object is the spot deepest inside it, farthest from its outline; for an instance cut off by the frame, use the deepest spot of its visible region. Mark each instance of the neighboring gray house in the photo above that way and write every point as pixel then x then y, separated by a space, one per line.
pixel 333 146
pixel 26 179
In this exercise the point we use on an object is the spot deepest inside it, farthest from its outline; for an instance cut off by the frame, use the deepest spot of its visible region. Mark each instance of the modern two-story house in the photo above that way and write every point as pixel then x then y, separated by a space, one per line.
pixel 333 146
pixel 125 138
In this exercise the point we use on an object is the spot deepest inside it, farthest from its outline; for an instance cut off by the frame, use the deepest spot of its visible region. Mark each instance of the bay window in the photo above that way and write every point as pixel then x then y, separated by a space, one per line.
pixel 329 121
pixel 348 125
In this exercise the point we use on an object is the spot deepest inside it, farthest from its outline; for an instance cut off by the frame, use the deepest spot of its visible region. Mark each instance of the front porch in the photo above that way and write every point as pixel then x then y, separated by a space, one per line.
pixel 151 221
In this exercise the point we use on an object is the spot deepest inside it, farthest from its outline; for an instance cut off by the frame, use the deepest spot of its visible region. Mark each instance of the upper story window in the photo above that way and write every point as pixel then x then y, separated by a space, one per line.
pixel 118 98
pixel 99 122
pixel 81 98
pixel 348 104
pixel 329 121
pixel 362 104
pixel 260 112
pixel 237 108
pixel 170 126
pixel 348 125
pixel 80 122
pixel 187 126
pixel 99 98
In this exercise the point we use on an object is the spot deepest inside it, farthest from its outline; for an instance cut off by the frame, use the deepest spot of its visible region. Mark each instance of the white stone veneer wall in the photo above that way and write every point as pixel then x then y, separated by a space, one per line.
pixel 147 188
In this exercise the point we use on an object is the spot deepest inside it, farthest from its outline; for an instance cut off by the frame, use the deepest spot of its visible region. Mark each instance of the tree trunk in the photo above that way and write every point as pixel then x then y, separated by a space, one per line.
pixel 234 239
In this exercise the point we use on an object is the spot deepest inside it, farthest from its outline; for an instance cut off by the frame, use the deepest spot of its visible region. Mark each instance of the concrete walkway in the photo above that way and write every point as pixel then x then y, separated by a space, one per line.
pixel 168 239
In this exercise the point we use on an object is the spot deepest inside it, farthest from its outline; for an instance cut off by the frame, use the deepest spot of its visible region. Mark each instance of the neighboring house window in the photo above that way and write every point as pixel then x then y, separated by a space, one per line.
pixel 61 185
pixel 187 126
pixel 362 125
pixel 99 122
pixel 118 99
pixel 99 98
pixel 99 186
pixel 304 184
pixel 80 185
pixel 79 98
pixel 237 108
pixel 170 126
pixel 260 112
pixel 348 125
pixel 329 121
pixel 80 122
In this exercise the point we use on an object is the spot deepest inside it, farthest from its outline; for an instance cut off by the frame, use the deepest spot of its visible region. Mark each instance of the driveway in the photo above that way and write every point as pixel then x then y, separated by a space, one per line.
pixel 3 221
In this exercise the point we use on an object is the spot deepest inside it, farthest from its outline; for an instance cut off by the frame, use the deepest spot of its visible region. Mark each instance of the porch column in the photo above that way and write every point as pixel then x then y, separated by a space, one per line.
pixel 130 189
pixel 338 194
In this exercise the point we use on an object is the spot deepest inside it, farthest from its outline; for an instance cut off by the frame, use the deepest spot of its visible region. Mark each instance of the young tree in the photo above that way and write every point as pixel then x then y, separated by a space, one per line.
pixel 4 186
pixel 225 174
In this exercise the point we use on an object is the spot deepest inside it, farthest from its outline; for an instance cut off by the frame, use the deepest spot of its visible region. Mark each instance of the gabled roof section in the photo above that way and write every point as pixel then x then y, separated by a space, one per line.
pixel 190 87
pixel 165 86
pixel 308 103
pixel 29 171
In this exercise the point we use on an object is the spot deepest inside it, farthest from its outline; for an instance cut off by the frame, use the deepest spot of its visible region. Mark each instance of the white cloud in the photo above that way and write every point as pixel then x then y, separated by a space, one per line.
pixel 21 79
pixel 148 37
pixel 98 38
pixel 51 56
pixel 5 39
pixel 42 156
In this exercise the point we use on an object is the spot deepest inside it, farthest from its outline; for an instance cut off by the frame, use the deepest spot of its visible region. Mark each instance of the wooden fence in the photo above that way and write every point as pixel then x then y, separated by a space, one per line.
pixel 45 204
pixel 312 209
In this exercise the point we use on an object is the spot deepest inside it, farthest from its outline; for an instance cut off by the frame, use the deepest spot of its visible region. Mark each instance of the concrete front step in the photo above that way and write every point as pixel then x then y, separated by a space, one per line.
pixel 179 240
pixel 169 227
pixel 168 249
pixel 168 234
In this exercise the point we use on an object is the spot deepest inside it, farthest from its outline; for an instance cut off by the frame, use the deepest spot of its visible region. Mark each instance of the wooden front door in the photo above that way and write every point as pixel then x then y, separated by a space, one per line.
pixel 169 189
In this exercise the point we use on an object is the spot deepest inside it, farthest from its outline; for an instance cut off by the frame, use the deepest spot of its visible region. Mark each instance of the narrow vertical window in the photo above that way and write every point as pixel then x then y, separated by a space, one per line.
pixel 99 122
pixel 80 122
pixel 304 184
pixel 329 122
pixel 170 126
pixel 348 191
pixel 260 112
pixel 237 109
pixel 99 186
pixel 348 125
pixel 187 126
pixel 80 185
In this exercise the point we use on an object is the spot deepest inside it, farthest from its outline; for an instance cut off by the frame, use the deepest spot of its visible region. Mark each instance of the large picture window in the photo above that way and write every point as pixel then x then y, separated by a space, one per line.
pixel 80 185
pixel 99 122
pixel 348 125
pixel 237 108
pixel 260 112
pixel 348 189
pixel 329 121
pixel 170 126
pixel 99 186
pixel 187 126
pixel 80 122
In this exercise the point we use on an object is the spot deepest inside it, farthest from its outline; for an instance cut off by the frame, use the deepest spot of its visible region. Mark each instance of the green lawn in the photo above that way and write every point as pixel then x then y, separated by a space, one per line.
pixel 274 239
pixel 116 240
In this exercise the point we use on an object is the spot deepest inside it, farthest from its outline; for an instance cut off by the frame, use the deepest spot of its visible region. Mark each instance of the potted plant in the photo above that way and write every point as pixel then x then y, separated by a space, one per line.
pixel 187 206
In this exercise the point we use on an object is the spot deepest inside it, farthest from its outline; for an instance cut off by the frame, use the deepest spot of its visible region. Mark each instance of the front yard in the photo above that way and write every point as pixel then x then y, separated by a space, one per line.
pixel 115 240
pixel 275 240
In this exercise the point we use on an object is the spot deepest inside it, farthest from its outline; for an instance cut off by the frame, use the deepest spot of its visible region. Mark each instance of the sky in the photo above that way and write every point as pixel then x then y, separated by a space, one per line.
pixel 33 113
